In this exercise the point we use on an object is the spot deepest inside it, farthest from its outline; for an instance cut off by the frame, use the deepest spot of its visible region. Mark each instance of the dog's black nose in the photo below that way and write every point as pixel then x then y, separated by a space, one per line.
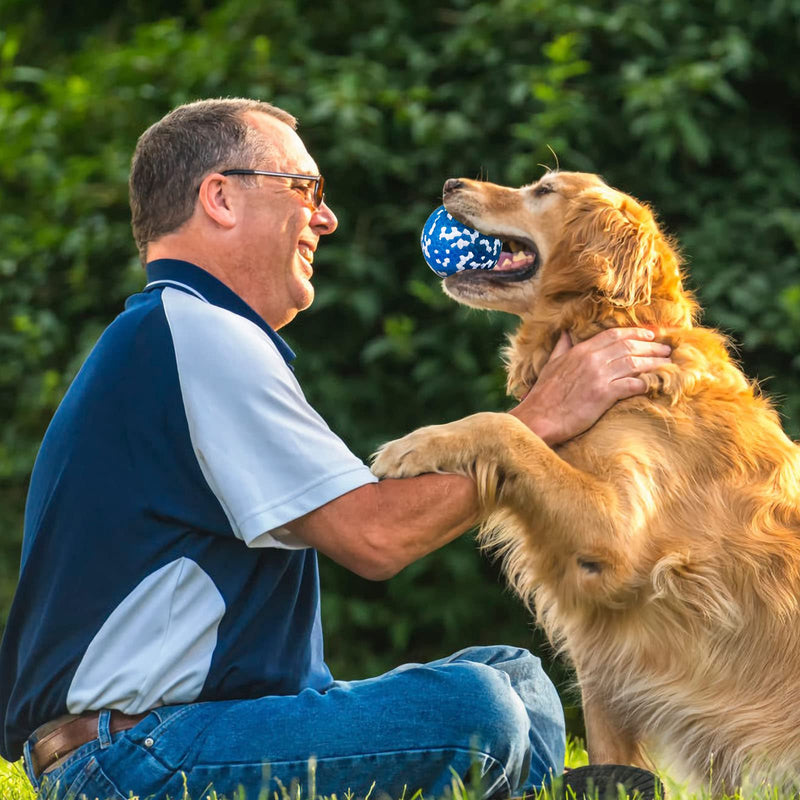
pixel 451 184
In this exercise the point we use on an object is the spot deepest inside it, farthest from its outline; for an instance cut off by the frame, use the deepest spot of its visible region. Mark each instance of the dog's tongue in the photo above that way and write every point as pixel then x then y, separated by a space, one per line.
pixel 518 260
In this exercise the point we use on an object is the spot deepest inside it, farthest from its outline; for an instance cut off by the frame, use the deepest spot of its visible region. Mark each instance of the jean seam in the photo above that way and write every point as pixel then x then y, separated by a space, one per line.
pixel 166 724
pixel 27 763
pixel 92 771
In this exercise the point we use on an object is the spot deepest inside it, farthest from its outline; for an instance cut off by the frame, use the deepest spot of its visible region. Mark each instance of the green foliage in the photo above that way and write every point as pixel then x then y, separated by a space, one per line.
pixel 685 105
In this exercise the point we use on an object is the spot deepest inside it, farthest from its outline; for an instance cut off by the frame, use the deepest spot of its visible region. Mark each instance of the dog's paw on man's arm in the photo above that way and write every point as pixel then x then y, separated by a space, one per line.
pixel 457 447
pixel 434 448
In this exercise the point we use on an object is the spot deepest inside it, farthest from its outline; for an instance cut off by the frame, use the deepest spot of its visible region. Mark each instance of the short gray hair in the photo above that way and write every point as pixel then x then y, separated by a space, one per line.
pixel 174 155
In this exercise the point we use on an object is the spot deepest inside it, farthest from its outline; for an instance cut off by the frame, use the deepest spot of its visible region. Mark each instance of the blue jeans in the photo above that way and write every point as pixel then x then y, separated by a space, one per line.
pixel 490 710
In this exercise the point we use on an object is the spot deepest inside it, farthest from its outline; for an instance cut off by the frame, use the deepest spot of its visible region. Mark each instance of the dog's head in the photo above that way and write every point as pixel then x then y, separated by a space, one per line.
pixel 578 255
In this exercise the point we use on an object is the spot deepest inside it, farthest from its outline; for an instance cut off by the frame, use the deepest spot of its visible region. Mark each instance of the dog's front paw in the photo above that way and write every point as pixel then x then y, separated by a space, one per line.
pixel 415 454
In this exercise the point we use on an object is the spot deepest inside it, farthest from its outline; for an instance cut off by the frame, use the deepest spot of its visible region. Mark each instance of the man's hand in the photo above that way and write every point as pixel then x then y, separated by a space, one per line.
pixel 579 384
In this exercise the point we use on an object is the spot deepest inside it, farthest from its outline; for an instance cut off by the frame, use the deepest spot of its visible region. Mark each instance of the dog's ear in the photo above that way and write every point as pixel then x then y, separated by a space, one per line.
pixel 614 247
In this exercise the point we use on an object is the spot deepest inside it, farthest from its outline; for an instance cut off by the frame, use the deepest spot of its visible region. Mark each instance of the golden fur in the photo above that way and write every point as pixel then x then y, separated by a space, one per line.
pixel 661 548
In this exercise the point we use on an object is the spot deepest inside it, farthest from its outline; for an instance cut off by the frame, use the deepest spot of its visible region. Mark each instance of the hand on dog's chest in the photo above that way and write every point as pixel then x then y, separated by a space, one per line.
pixel 449 247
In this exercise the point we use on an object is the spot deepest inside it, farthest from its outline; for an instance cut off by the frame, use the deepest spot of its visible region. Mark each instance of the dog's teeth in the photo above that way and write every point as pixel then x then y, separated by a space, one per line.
pixel 516 247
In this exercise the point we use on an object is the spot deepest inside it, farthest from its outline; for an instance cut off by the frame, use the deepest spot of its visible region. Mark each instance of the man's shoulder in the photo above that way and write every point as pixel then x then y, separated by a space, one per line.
pixel 142 312
pixel 186 308
pixel 209 331
pixel 204 333
pixel 133 340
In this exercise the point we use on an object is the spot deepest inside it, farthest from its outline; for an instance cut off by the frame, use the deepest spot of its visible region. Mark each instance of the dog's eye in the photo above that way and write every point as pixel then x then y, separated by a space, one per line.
pixel 543 189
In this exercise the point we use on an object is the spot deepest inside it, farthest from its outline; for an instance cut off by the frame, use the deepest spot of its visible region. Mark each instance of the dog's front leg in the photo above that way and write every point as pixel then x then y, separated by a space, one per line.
pixel 581 519
pixel 608 741
pixel 473 446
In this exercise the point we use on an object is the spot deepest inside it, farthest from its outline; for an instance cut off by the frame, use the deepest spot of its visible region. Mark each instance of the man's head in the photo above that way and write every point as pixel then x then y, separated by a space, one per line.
pixel 174 155
pixel 256 233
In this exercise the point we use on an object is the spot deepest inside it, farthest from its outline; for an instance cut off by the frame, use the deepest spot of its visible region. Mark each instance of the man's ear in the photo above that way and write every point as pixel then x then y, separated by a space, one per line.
pixel 215 199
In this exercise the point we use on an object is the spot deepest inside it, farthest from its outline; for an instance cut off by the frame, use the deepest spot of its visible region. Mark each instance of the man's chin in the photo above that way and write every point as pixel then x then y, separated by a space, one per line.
pixel 306 296
pixel 301 297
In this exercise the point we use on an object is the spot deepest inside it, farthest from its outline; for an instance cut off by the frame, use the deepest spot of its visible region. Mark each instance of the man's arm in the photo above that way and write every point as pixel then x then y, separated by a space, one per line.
pixel 378 529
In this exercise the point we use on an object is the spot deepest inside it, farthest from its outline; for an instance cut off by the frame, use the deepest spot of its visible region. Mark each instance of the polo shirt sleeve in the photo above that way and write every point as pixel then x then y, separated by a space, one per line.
pixel 267 455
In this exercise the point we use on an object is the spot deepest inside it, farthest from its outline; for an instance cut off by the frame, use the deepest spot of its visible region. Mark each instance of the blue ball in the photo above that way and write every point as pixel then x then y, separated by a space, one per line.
pixel 448 246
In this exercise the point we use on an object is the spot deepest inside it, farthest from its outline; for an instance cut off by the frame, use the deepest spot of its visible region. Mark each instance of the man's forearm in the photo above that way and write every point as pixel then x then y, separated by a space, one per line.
pixel 378 529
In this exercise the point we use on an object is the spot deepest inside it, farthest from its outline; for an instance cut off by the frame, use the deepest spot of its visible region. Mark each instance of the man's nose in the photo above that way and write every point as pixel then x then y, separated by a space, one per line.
pixel 324 220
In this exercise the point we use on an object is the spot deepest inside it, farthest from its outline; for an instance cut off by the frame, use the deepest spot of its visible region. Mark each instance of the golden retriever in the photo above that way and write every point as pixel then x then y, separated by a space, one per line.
pixel 660 548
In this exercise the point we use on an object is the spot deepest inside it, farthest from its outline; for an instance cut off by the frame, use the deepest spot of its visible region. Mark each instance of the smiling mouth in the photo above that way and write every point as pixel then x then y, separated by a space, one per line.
pixel 306 252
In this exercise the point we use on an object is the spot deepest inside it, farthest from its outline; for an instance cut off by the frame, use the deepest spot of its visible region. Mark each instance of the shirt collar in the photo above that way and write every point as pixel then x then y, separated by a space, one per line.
pixel 196 281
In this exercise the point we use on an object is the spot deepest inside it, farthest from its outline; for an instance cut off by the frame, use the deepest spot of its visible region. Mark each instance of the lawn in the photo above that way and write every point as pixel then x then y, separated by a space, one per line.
pixel 14 786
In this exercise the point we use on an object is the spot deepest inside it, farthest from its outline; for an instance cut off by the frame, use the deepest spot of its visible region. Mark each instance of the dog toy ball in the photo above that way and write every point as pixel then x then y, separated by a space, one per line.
pixel 448 246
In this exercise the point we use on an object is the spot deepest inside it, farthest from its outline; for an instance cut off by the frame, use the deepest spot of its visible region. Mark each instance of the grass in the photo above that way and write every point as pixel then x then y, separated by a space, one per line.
pixel 13 783
pixel 14 786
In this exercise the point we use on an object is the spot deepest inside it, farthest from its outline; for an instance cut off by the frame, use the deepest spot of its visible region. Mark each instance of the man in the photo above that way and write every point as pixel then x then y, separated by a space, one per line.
pixel 166 630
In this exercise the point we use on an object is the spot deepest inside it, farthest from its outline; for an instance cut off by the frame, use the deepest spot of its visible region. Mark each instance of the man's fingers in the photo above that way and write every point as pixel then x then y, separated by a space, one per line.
pixel 582 382
pixel 632 356
pixel 632 365
pixel 628 387
pixel 639 348
pixel 613 335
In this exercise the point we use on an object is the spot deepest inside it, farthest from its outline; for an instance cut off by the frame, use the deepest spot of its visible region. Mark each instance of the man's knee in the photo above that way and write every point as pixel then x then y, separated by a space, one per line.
pixel 526 678
pixel 492 654
pixel 492 721
pixel 515 707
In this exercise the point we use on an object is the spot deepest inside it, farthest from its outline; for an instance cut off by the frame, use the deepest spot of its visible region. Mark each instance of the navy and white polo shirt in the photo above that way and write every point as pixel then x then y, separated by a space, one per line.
pixel 155 565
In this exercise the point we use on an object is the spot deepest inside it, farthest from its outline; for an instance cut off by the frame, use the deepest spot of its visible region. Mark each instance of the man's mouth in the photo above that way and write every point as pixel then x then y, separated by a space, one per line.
pixel 306 251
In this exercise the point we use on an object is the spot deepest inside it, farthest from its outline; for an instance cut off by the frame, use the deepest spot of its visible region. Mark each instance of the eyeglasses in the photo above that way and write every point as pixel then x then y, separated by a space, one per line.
pixel 318 198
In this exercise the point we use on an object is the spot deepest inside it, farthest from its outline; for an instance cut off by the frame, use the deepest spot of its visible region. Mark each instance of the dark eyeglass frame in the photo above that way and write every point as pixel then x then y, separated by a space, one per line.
pixel 319 182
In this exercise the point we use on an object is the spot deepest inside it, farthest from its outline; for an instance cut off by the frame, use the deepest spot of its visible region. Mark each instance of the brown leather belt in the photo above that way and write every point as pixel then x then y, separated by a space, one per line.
pixel 57 739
